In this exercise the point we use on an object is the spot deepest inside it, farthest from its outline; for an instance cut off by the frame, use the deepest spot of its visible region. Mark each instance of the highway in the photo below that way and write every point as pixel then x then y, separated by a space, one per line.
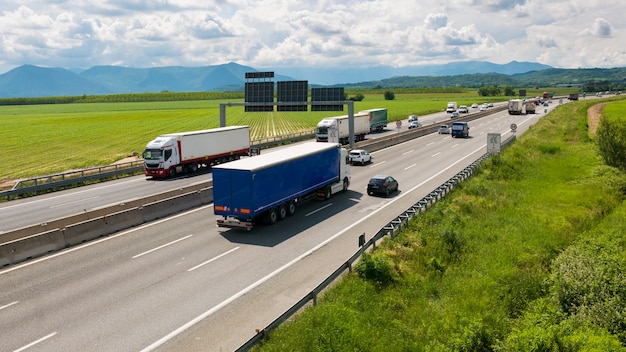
pixel 181 283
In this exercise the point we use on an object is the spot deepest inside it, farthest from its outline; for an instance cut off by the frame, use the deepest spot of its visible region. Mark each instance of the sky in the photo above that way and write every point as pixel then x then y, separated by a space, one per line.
pixel 270 34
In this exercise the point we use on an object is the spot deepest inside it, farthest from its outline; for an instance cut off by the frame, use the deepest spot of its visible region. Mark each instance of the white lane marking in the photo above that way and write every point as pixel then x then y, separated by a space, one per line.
pixel 103 239
pixel 430 143
pixel 212 259
pixel 320 209
pixel 454 146
pixel 409 152
pixel 8 305
pixel 378 163
pixel 434 155
pixel 65 195
pixel 163 246
pixel 410 166
pixel 35 342
pixel 74 202
pixel 254 285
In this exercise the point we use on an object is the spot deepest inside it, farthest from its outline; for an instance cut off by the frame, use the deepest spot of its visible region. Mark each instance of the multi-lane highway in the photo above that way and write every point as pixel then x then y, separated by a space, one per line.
pixel 181 283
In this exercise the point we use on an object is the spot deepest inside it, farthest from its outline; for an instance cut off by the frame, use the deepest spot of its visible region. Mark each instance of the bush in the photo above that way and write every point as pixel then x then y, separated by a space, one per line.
pixel 611 139
pixel 377 268
pixel 389 95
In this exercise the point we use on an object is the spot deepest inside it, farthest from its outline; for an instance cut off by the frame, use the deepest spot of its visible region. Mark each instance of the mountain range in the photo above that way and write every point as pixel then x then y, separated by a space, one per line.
pixel 29 81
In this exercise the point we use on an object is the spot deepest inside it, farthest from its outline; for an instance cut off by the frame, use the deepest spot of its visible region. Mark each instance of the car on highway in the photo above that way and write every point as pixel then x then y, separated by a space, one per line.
pixel 454 114
pixel 412 118
pixel 474 106
pixel 490 105
pixel 382 184
pixel 443 129
pixel 414 124
pixel 463 109
pixel 359 156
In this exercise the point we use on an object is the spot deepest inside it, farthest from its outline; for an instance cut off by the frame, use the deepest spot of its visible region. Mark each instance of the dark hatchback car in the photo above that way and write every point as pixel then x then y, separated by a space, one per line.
pixel 382 184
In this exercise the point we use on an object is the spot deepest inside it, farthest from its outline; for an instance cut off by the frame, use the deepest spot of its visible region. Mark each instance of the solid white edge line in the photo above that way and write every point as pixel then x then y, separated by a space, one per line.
pixel 319 209
pixel 232 298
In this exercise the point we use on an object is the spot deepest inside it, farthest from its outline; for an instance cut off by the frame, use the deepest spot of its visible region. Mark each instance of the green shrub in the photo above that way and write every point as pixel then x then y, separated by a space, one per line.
pixel 377 268
pixel 611 139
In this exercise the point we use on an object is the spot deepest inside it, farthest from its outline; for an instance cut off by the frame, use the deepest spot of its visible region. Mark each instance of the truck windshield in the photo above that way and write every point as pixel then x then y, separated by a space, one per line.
pixel 322 130
pixel 152 154
pixel 457 127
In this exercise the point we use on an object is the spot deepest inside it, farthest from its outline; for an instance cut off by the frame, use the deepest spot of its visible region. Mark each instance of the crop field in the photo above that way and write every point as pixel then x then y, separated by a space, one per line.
pixel 39 140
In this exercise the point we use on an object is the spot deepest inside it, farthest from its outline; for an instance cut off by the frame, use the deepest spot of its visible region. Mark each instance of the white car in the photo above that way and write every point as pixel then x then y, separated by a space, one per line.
pixel 359 156
pixel 412 118
pixel 483 107
pixel 463 109
pixel 443 129
pixel 474 106
pixel 414 124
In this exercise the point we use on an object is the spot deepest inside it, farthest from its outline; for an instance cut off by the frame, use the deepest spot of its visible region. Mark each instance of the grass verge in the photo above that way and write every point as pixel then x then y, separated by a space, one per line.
pixel 477 271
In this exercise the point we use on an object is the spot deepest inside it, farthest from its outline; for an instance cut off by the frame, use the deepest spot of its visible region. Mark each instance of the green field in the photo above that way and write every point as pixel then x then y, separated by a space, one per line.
pixel 40 140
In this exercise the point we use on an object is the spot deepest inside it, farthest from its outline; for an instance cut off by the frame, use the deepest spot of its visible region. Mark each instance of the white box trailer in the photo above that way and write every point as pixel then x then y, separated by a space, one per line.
pixel 170 154
pixel 341 126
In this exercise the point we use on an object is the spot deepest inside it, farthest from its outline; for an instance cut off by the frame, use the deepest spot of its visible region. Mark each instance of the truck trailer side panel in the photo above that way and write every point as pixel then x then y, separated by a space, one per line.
pixel 246 188
pixel 378 118
pixel 199 144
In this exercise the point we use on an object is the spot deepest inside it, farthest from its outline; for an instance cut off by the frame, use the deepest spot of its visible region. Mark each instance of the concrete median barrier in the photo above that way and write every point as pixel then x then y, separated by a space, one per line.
pixel 169 206
pixel 31 247
pixel 105 225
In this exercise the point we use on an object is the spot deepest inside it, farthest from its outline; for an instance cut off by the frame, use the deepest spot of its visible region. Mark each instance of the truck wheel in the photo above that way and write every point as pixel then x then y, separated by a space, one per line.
pixel 327 192
pixel 291 208
pixel 346 183
pixel 282 212
pixel 272 216
pixel 172 172
pixel 193 167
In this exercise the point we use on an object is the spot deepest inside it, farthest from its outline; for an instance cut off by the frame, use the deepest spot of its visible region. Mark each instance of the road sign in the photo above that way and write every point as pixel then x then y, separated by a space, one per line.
pixel 493 142
pixel 513 127
pixel 398 123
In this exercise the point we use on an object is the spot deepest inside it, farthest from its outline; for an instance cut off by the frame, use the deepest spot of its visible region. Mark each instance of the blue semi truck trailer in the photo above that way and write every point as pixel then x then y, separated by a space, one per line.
pixel 267 188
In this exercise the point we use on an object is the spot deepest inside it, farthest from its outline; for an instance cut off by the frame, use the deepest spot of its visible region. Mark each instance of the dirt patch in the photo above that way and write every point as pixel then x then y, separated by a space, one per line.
pixel 593 115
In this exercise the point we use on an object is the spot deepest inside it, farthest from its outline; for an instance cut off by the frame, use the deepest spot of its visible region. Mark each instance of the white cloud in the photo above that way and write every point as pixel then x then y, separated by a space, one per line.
pixel 329 33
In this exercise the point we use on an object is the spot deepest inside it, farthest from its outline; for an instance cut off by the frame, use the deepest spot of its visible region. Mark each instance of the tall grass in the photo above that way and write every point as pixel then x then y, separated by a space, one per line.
pixel 465 272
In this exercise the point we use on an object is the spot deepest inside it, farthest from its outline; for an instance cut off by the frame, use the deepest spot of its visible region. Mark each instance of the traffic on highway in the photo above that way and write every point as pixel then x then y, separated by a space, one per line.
pixel 182 283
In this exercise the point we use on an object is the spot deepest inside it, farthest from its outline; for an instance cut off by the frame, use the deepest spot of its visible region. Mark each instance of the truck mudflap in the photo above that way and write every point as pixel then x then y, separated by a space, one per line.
pixel 234 224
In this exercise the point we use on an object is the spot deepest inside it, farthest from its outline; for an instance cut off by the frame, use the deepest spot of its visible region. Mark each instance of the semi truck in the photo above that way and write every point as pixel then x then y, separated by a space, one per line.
pixel 268 188
pixel 451 107
pixel 340 126
pixel 170 154
pixel 377 117
pixel 515 106
pixel 572 96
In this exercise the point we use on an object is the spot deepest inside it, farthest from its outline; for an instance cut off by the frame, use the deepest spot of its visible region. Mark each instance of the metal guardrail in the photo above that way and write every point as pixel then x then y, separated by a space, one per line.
pixel 62 180
pixel 391 229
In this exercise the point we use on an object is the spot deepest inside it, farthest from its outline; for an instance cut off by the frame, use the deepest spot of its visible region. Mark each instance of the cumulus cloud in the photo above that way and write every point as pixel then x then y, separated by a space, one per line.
pixel 270 33
pixel 601 28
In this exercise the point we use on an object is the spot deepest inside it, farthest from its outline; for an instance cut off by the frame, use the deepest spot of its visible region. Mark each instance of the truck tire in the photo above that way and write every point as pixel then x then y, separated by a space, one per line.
pixel 172 172
pixel 272 216
pixel 282 212
pixel 193 167
pixel 346 184
pixel 327 192
pixel 291 208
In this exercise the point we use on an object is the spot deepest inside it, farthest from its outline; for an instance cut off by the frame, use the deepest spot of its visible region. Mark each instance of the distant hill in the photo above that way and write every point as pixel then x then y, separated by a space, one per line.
pixel 31 81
